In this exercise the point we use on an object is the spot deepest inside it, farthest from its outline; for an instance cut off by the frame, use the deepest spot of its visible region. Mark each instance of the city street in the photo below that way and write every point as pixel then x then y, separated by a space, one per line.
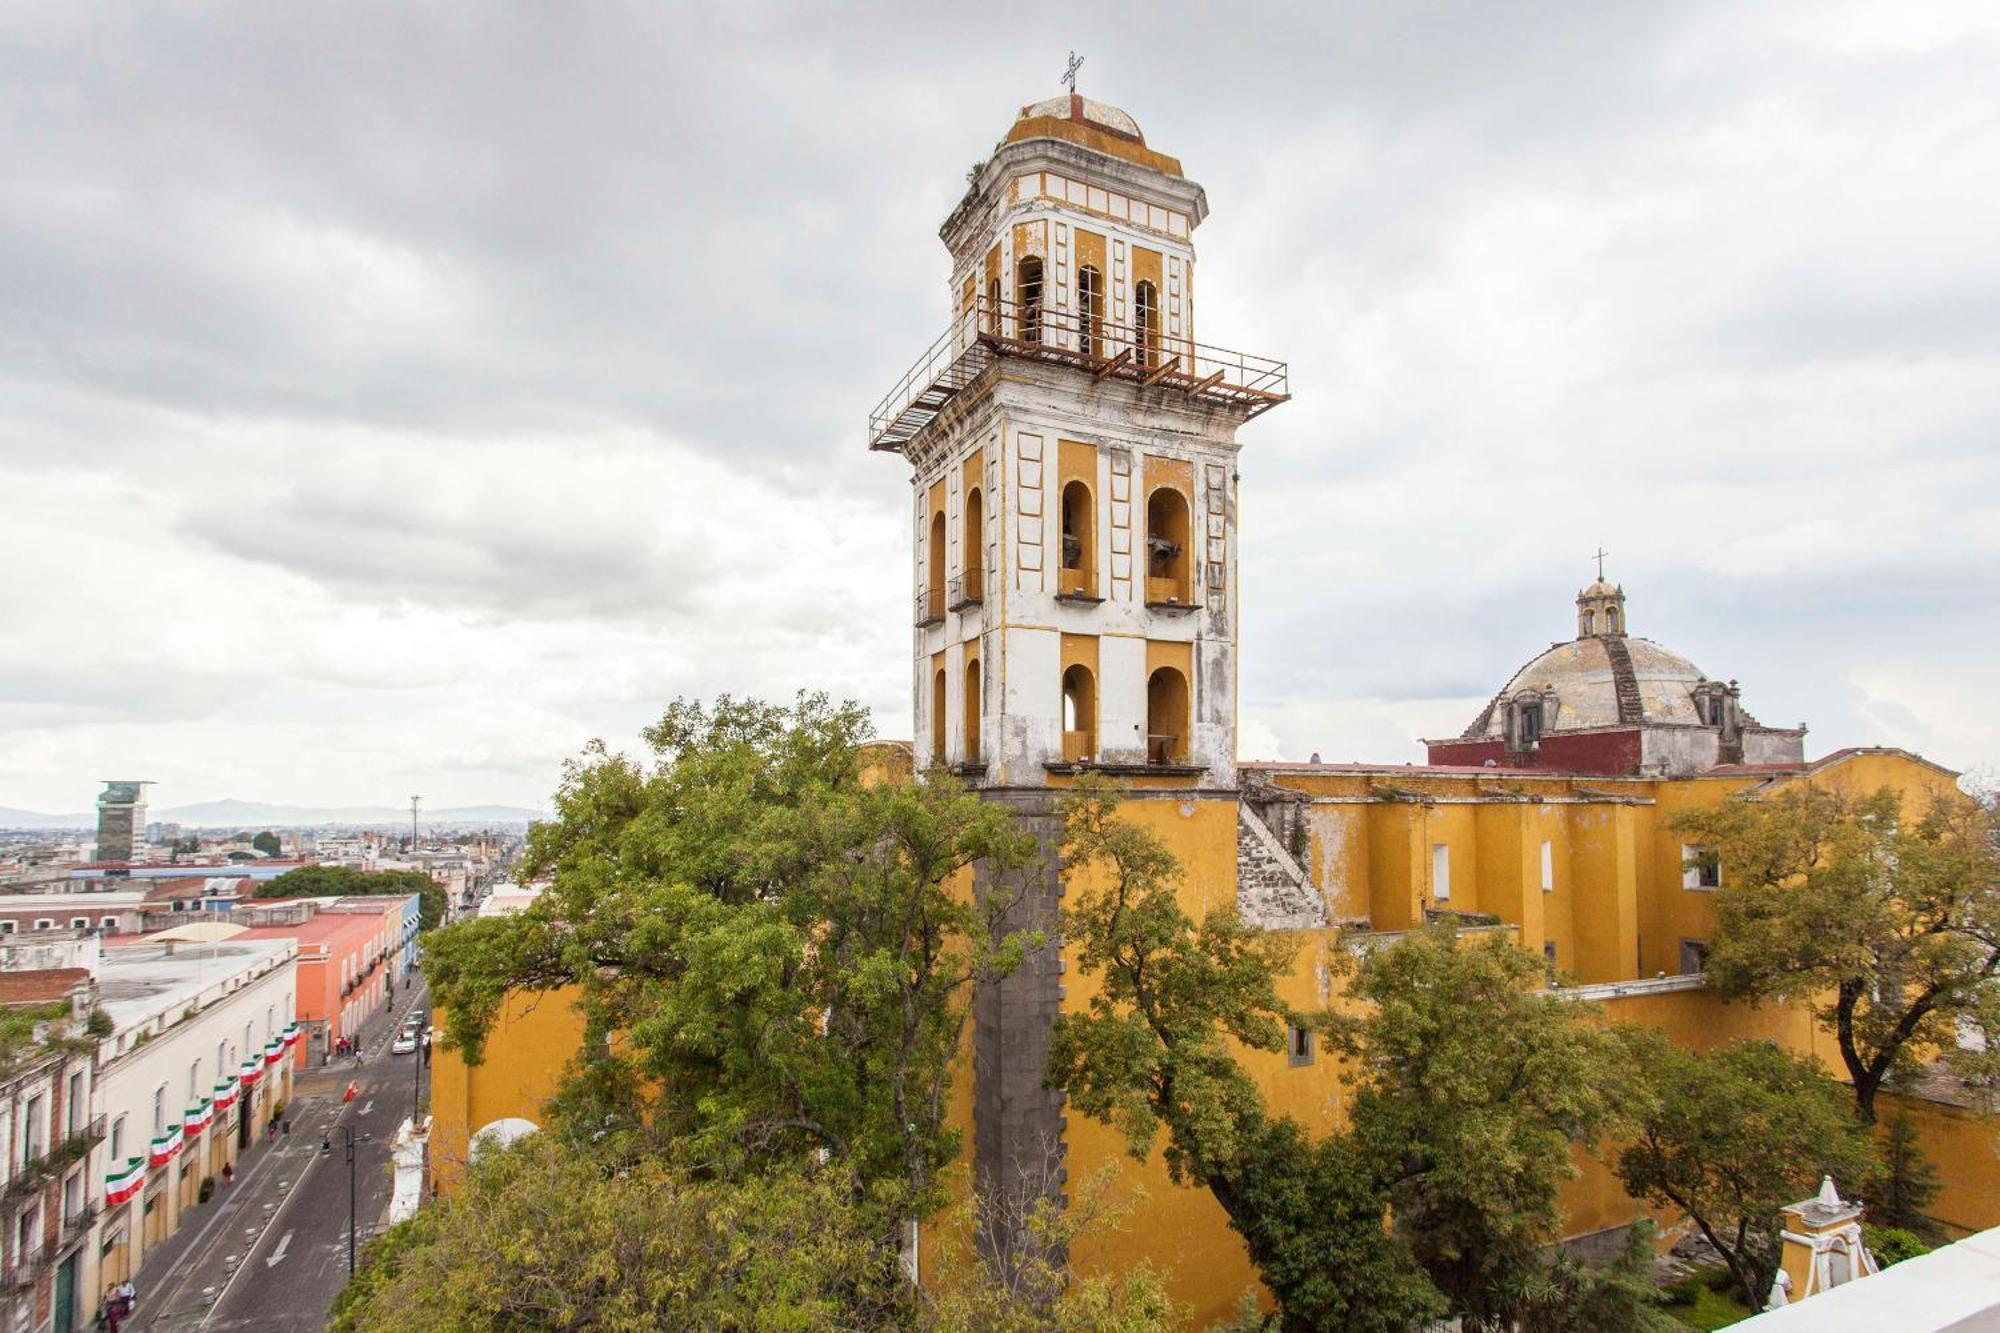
pixel 271 1253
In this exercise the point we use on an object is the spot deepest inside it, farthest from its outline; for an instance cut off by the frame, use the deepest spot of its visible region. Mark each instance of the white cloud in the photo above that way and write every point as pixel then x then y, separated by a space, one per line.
pixel 393 400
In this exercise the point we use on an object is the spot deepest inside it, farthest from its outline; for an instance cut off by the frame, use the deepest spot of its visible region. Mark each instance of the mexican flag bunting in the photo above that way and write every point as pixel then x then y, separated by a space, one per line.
pixel 292 1035
pixel 198 1117
pixel 274 1051
pixel 123 1183
pixel 166 1146
pixel 225 1095
pixel 252 1071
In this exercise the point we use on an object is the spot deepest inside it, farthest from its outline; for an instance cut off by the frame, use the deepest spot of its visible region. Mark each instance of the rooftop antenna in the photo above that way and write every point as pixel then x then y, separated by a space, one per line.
pixel 1601 553
pixel 1069 72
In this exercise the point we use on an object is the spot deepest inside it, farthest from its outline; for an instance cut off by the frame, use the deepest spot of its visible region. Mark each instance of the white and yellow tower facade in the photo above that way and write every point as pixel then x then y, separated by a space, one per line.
pixel 1073 496
pixel 1073 456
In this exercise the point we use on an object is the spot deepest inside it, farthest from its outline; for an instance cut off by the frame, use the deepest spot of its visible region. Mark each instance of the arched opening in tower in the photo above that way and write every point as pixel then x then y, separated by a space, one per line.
pixel 1079 689
pixel 1166 717
pixel 1167 558
pixel 1079 542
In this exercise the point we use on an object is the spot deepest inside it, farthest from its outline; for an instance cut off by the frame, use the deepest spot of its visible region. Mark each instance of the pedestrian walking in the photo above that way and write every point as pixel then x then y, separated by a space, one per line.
pixel 128 1296
pixel 228 1173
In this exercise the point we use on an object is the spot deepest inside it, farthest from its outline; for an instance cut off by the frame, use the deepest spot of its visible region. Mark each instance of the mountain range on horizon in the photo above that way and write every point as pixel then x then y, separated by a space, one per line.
pixel 233 813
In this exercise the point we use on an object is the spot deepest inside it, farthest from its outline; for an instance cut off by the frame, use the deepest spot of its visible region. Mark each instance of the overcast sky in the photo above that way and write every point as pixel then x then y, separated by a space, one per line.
pixel 394 397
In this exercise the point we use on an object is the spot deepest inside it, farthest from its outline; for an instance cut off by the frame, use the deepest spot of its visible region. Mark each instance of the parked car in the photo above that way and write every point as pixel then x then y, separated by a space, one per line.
pixel 404 1044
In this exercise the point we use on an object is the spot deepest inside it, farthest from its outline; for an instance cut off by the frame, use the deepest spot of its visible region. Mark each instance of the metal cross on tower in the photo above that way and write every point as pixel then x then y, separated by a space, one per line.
pixel 1601 553
pixel 1069 73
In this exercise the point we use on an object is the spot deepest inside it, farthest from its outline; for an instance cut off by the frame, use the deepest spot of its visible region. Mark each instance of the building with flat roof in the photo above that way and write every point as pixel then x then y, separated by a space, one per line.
pixel 194 1066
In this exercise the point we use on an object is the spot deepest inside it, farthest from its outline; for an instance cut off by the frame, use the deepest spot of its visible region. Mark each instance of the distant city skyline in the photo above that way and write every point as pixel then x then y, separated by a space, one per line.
pixel 380 417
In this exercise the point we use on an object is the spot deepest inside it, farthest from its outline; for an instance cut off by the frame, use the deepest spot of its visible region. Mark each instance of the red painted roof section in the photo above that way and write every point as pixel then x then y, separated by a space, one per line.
pixel 1408 770
pixel 42 986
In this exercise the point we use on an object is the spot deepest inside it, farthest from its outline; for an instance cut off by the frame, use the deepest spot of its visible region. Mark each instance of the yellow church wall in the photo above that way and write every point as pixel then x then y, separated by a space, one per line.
pixel 1963 1145
pixel 1395 866
pixel 1181 1231
pixel 1604 926
pixel 531 1042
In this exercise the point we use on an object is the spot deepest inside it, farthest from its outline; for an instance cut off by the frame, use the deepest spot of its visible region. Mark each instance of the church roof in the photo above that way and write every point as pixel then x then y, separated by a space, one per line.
pixel 1585 677
pixel 1077 119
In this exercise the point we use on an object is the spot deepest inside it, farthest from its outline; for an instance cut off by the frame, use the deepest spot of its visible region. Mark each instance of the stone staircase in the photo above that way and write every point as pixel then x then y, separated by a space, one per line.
pixel 1272 889
pixel 1630 707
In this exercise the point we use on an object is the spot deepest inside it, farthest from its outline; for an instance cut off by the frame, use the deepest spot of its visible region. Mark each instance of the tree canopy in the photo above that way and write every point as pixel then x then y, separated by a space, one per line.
pixel 323 881
pixel 1885 919
pixel 775 945
pixel 1732 1136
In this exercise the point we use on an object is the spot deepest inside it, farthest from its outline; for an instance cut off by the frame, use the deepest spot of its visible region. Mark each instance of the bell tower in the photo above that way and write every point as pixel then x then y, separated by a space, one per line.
pixel 1073 472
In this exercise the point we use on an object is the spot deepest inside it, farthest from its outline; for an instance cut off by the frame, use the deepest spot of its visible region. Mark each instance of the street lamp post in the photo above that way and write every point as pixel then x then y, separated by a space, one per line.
pixel 326 1146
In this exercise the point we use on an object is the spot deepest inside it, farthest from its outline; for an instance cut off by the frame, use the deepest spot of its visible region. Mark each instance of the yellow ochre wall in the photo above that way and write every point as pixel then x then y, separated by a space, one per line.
pixel 532 1040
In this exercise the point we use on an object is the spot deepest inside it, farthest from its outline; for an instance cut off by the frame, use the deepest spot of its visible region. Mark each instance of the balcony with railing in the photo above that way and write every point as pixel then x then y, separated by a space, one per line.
pixel 39 1167
pixel 995 328
pixel 966 590
pixel 930 607
pixel 78 1223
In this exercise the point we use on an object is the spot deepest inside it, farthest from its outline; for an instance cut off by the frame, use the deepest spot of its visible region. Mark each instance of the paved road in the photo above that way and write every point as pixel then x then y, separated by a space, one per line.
pixel 273 1254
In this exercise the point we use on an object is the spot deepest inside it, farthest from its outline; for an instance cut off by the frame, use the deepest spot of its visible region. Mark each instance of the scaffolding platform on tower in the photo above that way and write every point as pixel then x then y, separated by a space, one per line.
pixel 995 328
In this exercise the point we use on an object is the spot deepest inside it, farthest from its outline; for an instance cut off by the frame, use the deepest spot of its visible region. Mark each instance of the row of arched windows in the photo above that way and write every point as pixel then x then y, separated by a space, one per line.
pixel 1028 306
pixel 970 589
pixel 1167 715
pixel 1168 538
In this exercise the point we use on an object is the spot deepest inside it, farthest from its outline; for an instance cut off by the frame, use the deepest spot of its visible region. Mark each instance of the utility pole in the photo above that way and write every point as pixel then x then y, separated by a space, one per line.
pixel 325 1147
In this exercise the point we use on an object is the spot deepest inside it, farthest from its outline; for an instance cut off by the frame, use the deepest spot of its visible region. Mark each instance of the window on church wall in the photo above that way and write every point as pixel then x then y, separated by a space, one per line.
pixel 1300 1046
pixel 1028 299
pixel 1090 310
pixel 937 716
pixel 1694 957
pixel 1610 620
pixel 1701 868
pixel 1548 866
pixel 972 703
pixel 1079 542
pixel 990 321
pixel 1441 872
pixel 1167 541
pixel 1079 702
pixel 1146 323
pixel 1531 723
pixel 1589 623
pixel 1166 717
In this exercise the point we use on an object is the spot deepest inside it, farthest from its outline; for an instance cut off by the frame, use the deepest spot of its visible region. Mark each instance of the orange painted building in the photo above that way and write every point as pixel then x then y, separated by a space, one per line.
pixel 347 950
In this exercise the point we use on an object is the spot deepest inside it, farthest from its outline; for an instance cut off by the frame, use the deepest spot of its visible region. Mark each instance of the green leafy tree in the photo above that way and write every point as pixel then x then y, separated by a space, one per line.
pixel 772 958
pixel 1908 1182
pixel 1471 1090
pixel 322 881
pixel 544 1238
pixel 266 842
pixel 1885 921
pixel 1731 1136
pixel 1474 1083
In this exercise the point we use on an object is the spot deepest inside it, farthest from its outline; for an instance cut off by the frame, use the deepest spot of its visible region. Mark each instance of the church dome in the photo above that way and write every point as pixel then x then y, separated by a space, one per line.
pixel 1076 119
pixel 1581 683
pixel 1070 106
